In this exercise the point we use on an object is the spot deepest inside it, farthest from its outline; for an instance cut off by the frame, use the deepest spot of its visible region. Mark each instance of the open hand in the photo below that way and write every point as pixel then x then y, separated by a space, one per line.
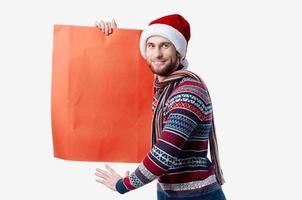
pixel 108 178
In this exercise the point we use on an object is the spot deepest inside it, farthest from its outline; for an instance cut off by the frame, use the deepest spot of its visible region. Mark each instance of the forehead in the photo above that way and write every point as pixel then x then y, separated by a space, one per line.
pixel 158 39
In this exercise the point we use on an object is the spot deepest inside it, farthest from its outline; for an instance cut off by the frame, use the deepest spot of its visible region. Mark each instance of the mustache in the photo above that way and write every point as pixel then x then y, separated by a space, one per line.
pixel 158 60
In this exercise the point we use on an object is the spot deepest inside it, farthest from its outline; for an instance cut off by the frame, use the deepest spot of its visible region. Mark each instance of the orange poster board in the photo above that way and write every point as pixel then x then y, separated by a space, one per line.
pixel 101 95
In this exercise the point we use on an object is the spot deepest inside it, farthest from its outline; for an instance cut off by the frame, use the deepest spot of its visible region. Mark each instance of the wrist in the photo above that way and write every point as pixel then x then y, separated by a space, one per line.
pixel 120 187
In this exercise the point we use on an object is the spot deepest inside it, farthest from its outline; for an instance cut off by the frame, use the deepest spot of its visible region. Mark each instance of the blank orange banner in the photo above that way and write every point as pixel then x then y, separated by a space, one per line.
pixel 101 95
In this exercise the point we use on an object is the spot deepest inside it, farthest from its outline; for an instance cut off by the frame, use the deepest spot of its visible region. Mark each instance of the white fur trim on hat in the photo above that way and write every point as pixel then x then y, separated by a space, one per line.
pixel 172 34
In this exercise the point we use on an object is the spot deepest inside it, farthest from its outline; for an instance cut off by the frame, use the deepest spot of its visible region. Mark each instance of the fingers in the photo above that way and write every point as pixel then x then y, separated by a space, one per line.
pixel 106 27
pixel 127 173
pixel 100 25
pixel 108 178
pixel 113 23
pixel 100 181
pixel 110 28
pixel 102 174
pixel 96 23
pixel 110 170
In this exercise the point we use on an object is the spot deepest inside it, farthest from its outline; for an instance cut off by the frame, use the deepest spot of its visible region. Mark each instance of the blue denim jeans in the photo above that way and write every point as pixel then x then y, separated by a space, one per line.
pixel 213 195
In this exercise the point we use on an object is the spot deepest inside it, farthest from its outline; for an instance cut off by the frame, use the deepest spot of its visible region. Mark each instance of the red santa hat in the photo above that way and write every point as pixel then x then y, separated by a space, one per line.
pixel 173 27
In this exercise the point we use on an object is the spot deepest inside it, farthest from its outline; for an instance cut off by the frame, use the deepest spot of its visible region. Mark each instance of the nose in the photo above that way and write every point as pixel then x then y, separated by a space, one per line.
pixel 158 53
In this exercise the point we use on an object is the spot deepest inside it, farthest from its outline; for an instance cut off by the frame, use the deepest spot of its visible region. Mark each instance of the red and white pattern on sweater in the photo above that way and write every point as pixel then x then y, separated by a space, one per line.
pixel 179 157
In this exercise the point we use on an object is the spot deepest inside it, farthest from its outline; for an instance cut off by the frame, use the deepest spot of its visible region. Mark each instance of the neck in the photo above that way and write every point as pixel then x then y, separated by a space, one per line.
pixel 162 78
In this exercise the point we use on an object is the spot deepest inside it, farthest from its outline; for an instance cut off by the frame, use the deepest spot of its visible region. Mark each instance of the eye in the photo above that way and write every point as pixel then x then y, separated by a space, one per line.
pixel 166 45
pixel 150 45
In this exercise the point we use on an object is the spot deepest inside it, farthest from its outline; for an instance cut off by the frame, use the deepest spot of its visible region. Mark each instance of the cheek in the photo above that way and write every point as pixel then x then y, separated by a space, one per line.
pixel 148 54
pixel 174 58
pixel 172 54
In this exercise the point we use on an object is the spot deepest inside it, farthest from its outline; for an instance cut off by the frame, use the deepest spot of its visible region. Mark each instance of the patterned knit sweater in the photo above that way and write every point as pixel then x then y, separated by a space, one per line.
pixel 179 157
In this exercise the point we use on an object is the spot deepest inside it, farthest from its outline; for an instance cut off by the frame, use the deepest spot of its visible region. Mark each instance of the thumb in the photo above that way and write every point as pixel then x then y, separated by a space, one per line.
pixel 127 173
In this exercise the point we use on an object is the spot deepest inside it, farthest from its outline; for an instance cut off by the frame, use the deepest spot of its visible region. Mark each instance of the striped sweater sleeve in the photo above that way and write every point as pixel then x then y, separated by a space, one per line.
pixel 186 108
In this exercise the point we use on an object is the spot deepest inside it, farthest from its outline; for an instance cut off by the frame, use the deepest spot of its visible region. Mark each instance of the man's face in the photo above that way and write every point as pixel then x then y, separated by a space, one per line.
pixel 161 56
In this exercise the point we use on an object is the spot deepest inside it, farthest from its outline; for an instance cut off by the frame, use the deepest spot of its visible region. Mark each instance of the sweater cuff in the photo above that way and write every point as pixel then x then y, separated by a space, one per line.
pixel 120 187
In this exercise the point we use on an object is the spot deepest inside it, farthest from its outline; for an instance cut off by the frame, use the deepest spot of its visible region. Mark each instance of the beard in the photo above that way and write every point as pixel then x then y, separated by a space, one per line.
pixel 164 70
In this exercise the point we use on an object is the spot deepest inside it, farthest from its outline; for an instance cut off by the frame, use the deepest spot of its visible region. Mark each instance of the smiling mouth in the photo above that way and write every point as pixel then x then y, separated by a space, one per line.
pixel 158 63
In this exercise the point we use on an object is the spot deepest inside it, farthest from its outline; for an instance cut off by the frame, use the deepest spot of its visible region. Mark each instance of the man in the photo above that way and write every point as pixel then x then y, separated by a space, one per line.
pixel 182 124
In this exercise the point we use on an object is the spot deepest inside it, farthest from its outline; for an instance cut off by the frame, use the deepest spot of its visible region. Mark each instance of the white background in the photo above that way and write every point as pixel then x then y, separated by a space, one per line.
pixel 248 52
